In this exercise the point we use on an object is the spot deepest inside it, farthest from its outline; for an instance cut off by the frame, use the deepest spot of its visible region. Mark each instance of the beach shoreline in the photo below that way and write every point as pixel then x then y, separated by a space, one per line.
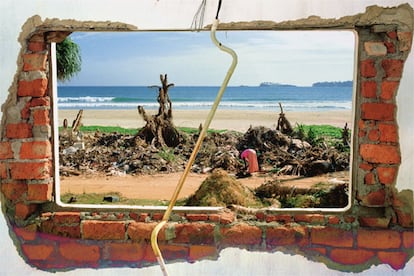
pixel 238 120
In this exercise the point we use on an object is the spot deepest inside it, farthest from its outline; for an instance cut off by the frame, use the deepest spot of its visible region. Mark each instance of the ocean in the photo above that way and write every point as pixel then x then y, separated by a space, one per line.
pixel 266 98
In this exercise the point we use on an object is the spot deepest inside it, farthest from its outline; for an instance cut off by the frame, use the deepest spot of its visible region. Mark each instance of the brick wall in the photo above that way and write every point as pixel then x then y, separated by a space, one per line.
pixel 377 229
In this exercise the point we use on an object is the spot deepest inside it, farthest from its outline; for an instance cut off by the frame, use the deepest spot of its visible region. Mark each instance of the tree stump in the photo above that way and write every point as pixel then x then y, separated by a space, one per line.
pixel 159 129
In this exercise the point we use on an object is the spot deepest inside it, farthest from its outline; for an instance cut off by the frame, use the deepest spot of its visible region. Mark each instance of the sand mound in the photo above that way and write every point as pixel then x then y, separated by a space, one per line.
pixel 220 189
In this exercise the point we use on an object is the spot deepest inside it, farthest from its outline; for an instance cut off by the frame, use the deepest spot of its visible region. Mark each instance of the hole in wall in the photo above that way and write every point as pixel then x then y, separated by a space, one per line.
pixel 303 76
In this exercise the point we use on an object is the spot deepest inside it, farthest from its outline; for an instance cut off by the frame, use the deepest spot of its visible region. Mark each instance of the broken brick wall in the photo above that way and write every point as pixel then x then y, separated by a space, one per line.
pixel 378 228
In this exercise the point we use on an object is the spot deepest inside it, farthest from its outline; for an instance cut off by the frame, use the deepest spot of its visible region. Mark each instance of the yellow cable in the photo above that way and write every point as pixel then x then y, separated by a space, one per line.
pixel 154 234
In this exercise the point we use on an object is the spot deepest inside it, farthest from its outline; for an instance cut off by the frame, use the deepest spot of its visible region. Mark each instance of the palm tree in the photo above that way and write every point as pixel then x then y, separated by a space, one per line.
pixel 68 59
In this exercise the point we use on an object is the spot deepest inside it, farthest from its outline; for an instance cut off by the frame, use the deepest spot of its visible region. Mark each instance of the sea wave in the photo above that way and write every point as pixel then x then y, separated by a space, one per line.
pixel 194 105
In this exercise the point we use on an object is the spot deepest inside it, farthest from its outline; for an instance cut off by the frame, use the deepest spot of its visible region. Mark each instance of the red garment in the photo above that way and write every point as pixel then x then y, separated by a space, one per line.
pixel 251 157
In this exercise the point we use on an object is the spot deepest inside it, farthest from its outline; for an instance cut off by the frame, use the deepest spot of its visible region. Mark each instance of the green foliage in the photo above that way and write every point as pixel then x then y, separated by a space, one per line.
pixel 97 198
pixel 167 154
pixel 68 59
pixel 316 134
pixel 133 131
pixel 326 131
pixel 109 129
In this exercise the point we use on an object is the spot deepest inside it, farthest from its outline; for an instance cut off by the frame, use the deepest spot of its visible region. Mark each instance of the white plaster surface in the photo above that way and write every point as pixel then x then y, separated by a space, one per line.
pixel 178 14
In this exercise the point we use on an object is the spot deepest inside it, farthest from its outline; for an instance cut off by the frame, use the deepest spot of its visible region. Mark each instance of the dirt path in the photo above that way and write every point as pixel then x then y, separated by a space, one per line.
pixel 161 186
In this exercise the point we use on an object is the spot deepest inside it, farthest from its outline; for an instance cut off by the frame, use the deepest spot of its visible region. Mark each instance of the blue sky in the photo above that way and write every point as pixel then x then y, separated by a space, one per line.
pixel 190 58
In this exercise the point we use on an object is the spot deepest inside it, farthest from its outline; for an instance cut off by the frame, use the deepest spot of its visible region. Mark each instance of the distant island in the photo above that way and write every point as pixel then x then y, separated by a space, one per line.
pixel 316 84
pixel 333 84
pixel 267 83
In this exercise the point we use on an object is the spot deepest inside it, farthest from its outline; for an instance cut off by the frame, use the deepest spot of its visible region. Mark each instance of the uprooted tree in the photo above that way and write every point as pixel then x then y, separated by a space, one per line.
pixel 159 129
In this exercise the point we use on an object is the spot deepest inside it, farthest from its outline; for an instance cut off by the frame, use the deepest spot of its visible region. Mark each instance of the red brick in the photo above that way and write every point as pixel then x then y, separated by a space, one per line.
pixel 14 191
pixel 39 252
pixel 378 239
pixel 390 47
pixel 42 101
pixel 5 150
pixel 366 166
pixel 35 150
pixel 368 68
pixel 408 239
pixel 22 211
pixel 378 111
pixel 149 254
pixel 197 217
pixel 157 216
pixel 369 179
pixel 71 231
pixel 349 219
pixel 226 218
pixel 34 88
pixel 198 252
pixel 279 218
pixel 386 175
pixel 396 260
pixel 331 236
pixel 214 217
pixel 374 222
pixel 19 131
pixel 310 218
pixel 392 34
pixel 34 62
pixel 80 252
pixel 388 90
pixel 41 117
pixel 389 133
pixel 27 233
pixel 30 170
pixel 66 217
pixel 404 216
pixel 174 252
pixel 373 135
pixel 260 216
pixel 374 198
pixel 241 234
pixel 393 68
pixel 39 192
pixel 36 46
pixel 369 89
pixel 128 252
pixel 334 220
pixel 141 231
pixel 351 256
pixel 3 170
pixel 385 154
pixel 282 235
pixel 194 233
pixel 103 230
pixel 25 113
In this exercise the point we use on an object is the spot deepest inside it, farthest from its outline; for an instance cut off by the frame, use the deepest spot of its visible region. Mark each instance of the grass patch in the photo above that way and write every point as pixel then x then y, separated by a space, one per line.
pixel 97 198
pixel 133 131
pixel 327 131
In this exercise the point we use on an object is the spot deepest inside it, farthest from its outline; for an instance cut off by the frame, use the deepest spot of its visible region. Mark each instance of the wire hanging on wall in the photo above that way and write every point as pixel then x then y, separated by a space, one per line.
pixel 198 19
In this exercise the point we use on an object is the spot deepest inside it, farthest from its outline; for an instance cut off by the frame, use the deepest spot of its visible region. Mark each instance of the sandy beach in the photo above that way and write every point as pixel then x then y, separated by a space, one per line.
pixel 238 120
